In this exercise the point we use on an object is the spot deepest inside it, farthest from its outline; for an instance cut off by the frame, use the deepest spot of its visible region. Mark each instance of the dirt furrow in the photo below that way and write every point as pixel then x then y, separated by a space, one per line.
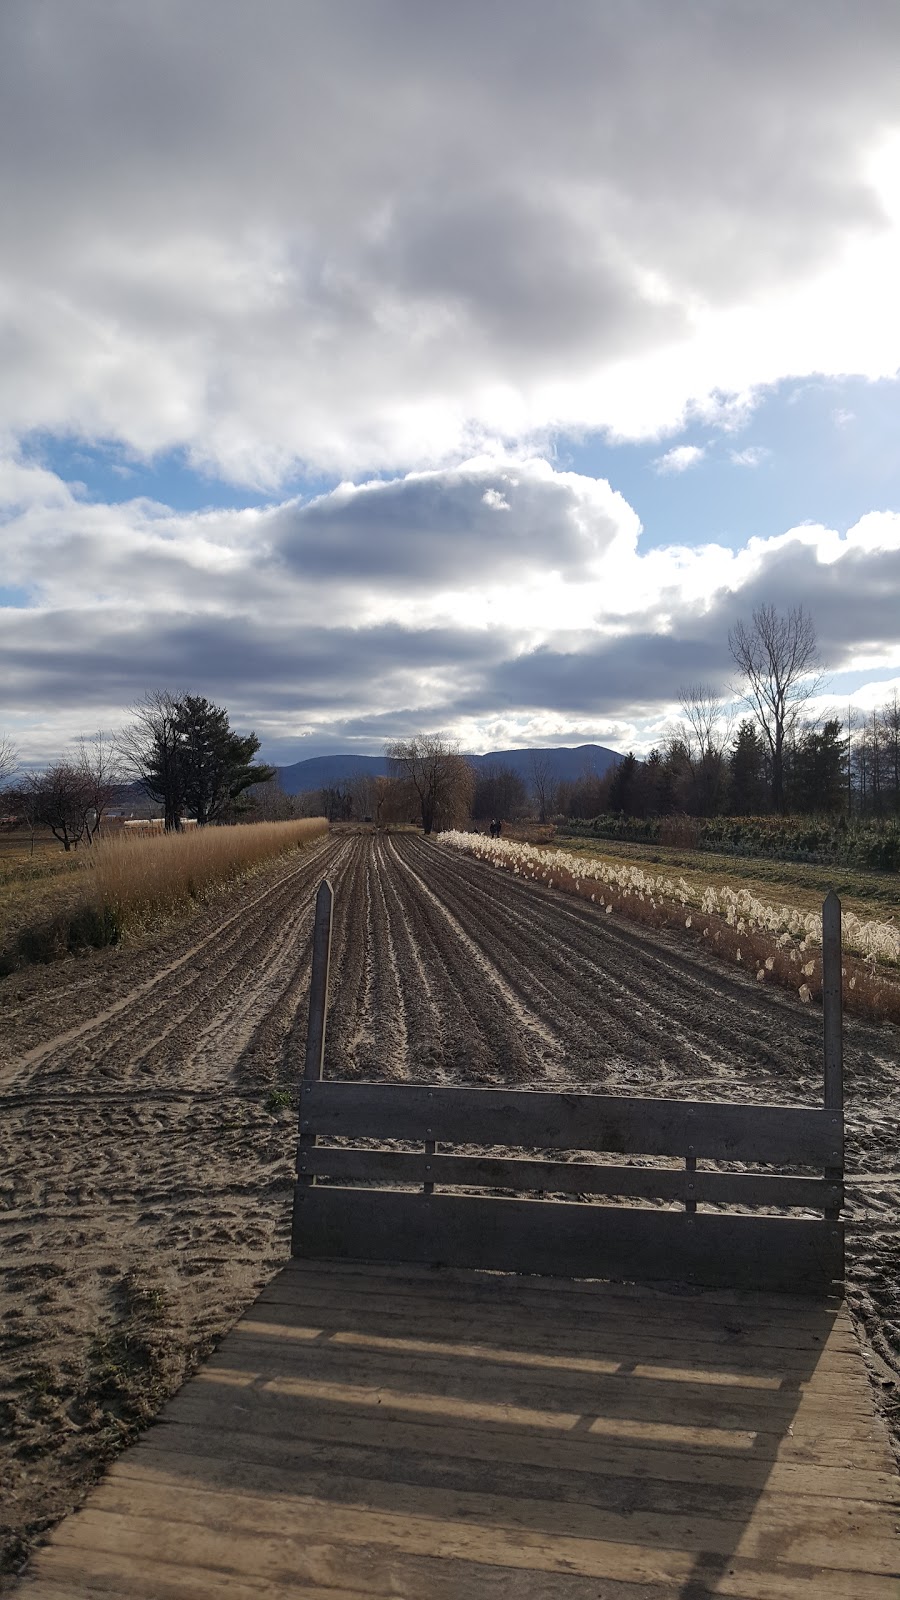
pixel 646 1006
pixel 147 1130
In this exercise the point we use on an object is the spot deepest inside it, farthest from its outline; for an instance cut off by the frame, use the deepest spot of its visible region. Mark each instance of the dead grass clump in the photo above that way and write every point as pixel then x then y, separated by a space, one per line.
pixel 133 881
pixel 530 832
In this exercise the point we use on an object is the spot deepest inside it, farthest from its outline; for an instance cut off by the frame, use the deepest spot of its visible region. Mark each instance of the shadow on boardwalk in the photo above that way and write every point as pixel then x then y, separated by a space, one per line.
pixel 430 1435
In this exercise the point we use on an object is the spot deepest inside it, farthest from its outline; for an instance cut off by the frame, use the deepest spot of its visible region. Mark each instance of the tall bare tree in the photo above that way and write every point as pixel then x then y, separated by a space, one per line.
pixel 151 747
pixel 777 656
pixel 442 779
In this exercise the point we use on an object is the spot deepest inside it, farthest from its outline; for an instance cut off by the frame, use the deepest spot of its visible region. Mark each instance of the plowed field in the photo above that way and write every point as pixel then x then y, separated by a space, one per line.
pixel 146 1130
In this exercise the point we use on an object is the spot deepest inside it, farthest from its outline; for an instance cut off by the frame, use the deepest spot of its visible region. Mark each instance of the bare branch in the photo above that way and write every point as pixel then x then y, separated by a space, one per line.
pixel 777 656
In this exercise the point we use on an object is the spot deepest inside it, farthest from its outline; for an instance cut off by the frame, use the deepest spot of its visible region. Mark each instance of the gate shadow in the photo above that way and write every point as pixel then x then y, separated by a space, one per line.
pixel 450 1434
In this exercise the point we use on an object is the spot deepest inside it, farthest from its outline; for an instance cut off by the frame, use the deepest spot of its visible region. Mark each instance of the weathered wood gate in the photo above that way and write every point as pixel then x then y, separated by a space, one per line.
pixel 370 1201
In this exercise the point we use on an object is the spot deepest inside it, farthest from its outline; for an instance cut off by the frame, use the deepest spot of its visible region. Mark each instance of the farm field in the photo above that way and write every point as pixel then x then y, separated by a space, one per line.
pixel 147 1129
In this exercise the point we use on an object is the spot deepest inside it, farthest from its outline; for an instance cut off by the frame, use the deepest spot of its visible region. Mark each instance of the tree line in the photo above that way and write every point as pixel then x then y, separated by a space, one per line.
pixel 183 753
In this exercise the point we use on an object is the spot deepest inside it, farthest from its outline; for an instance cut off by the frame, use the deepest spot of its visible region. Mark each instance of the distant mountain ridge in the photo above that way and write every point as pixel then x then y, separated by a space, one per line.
pixel 565 762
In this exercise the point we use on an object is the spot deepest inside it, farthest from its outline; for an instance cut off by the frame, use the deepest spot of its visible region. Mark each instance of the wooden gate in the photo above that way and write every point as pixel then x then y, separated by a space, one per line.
pixel 410 1173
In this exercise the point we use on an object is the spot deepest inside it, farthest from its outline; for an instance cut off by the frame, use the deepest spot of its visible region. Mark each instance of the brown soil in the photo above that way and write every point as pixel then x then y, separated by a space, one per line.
pixel 147 1130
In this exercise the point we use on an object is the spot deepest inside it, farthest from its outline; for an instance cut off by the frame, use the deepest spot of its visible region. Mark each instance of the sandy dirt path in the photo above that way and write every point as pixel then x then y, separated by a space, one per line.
pixel 147 1130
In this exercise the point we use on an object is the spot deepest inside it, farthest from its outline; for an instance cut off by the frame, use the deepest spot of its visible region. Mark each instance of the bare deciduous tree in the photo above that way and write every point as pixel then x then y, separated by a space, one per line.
pixel 542 784
pixel 9 758
pixel 778 658
pixel 442 779
pixel 58 799
pixel 269 802
pixel 151 747
pixel 100 766
pixel 704 743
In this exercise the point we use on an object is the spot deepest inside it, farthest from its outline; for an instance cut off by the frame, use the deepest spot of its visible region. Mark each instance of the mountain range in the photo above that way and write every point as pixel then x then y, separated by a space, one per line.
pixel 565 764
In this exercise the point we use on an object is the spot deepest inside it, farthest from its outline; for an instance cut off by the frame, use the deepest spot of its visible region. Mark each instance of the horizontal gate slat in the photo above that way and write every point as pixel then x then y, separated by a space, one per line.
pixel 574 1240
pixel 794 1135
pixel 566 1177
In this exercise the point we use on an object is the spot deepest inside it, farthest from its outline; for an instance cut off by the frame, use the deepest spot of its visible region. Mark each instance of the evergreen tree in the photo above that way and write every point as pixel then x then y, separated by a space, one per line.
pixel 747 786
pixel 621 790
pixel 188 758
pixel 818 769
pixel 217 763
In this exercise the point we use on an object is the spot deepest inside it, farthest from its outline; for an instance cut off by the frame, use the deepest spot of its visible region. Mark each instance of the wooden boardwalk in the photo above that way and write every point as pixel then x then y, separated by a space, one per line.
pixel 422 1434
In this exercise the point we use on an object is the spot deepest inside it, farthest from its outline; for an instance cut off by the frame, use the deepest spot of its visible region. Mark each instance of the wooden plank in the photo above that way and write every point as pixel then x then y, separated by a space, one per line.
pixel 655 1399
pixel 200 1523
pixel 773 1354
pixel 793 1135
pixel 678 1362
pixel 58 1573
pixel 375 1571
pixel 493 1396
pixel 318 983
pixel 816 1530
pixel 797 1320
pixel 692 1305
pixel 576 1240
pixel 832 1003
pixel 193 1426
pixel 333 1459
pixel 567 1177
pixel 793 1309
pixel 817 1441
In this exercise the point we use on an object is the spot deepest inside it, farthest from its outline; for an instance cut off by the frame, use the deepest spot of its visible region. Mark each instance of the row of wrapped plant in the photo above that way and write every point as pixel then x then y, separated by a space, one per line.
pixel 779 942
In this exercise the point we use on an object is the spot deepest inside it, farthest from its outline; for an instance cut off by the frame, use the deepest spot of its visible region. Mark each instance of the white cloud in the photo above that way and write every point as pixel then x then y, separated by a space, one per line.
pixel 680 459
pixel 362 239
pixel 407 602
pixel 752 456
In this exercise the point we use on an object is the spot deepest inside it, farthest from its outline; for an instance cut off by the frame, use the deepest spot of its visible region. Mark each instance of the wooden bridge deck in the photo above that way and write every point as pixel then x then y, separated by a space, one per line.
pixel 434 1435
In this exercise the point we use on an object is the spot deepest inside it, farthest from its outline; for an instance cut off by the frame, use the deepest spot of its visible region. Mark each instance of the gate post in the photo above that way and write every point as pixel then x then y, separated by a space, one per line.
pixel 318 983
pixel 315 1046
pixel 832 1024
pixel 832 1003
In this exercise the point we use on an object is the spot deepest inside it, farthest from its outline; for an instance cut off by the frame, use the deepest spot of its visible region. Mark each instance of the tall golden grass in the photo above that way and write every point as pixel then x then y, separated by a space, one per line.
pixel 126 885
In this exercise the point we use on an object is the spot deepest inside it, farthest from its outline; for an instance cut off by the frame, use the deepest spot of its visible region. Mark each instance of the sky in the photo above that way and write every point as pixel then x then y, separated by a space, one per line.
pixel 373 368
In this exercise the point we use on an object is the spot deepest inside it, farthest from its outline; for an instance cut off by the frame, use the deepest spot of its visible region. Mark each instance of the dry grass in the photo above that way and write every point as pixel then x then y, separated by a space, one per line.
pixel 125 885
pixel 136 880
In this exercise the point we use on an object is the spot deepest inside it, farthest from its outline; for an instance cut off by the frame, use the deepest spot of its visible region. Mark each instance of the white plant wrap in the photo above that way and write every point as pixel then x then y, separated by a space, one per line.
pixel 788 926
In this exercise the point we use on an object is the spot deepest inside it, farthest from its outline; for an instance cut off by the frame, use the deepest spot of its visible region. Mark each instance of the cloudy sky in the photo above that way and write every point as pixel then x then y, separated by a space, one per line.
pixel 371 366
